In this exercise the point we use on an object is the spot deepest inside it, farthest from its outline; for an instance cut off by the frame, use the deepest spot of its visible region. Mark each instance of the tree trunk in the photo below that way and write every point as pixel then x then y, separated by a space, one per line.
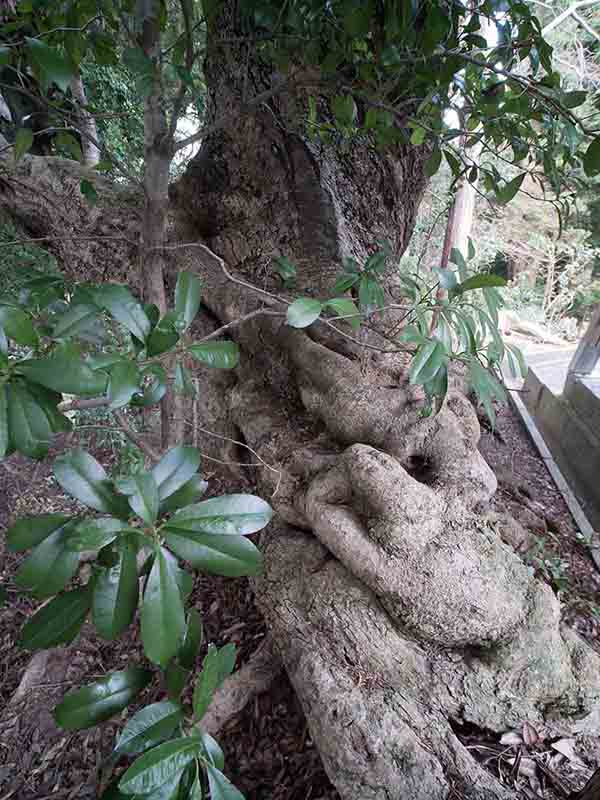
pixel 86 125
pixel 399 610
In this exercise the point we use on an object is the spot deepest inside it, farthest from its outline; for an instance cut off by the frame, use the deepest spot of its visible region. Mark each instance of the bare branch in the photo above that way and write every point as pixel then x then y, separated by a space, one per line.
pixel 135 437
pixel 83 403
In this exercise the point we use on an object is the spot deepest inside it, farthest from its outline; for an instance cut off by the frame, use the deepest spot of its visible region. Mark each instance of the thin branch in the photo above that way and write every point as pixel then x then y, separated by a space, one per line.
pixel 82 403
pixel 135 437
pixel 240 321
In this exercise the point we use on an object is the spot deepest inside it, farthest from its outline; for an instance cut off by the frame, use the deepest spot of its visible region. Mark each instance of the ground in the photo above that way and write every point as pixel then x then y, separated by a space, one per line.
pixel 269 753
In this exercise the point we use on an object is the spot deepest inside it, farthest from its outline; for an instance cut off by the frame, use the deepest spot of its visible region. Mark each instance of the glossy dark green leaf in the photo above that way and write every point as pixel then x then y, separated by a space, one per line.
pixel 303 312
pixel 217 665
pixel 152 725
pixel 70 144
pixel 160 765
pixel 166 334
pixel 18 326
pixel 30 531
pixel 163 619
pixel 189 493
pixel 231 556
pixel 123 384
pixel 221 787
pixel 57 622
pixel 188 292
pixel 94 533
pixel 193 638
pixel 213 750
pixel 4 433
pixel 84 478
pixel 51 564
pixel 143 495
pixel 591 158
pixel 175 469
pixel 370 294
pixel 345 282
pixel 98 701
pixel 65 374
pixel 54 66
pixel 230 514
pixel 115 596
pixel 23 142
pixel 221 355
pixel 122 306
pixel 183 382
pixel 28 425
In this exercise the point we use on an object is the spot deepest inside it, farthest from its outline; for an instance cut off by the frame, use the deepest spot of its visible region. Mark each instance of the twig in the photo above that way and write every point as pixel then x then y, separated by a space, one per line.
pixel 83 402
pixel 134 436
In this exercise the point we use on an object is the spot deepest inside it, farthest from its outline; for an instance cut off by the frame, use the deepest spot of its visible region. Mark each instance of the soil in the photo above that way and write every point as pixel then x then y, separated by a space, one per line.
pixel 269 752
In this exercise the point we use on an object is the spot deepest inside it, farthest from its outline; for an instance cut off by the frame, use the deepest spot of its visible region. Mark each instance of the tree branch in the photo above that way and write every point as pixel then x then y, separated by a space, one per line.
pixel 135 437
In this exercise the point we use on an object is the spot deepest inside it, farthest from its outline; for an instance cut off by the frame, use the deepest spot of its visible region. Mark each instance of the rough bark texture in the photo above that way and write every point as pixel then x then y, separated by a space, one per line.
pixel 394 599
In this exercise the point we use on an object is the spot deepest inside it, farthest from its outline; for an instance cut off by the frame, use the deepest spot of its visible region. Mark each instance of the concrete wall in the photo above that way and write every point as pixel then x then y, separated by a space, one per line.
pixel 570 425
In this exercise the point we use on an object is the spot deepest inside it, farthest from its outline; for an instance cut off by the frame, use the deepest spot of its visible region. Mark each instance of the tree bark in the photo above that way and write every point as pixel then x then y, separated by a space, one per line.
pixel 398 607
pixel 86 125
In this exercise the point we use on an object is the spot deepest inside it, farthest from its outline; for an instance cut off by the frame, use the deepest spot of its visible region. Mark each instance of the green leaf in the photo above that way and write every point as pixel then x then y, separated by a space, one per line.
pixel 193 638
pixel 64 373
pixel 345 282
pixel 188 494
pixel 160 765
pixel 433 163
pixel 51 564
pixel 303 312
pixel 84 478
pixel 115 596
pixel 18 326
pixel 285 269
pixel 221 787
pixel 231 556
pixel 98 701
pixel 591 158
pixel 88 190
pixel 574 99
pixel 94 533
pixel 70 143
pixel 54 66
pixel 221 355
pixel 166 334
pixel 175 469
pixel 418 136
pixel 175 678
pixel 188 292
pixel 151 726
pixel 183 382
pixel 370 294
pixel 23 142
pixel 143 496
pixel 57 622
pixel 217 665
pixel 163 619
pixel 28 425
pixel 509 190
pixel 344 109
pixel 486 387
pixel 4 434
pixel 123 384
pixel 30 531
pixel 122 306
pixel 344 307
pixel 480 281
pixel 76 320
pixel 213 751
pixel 427 361
pixel 230 514
pixel 154 390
